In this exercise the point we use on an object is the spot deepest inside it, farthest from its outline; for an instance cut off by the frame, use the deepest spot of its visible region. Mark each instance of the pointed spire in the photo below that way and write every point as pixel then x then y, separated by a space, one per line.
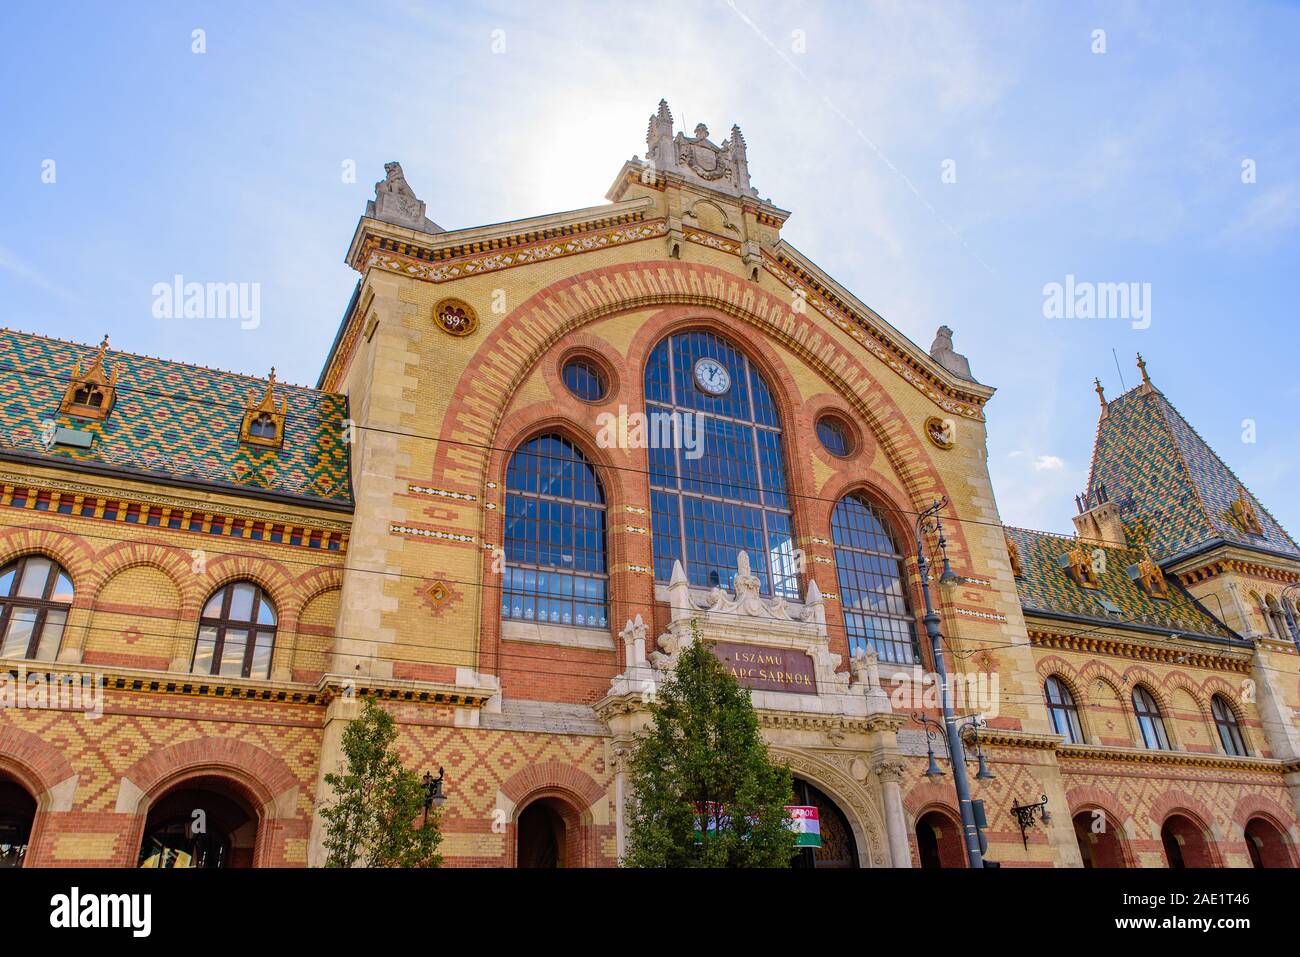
pixel 1142 367
pixel 1101 394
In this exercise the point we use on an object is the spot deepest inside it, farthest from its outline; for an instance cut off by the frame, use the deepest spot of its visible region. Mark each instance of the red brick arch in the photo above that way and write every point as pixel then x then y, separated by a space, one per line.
pixel 264 781
pixel 74 553
pixel 1176 802
pixel 172 562
pixel 575 793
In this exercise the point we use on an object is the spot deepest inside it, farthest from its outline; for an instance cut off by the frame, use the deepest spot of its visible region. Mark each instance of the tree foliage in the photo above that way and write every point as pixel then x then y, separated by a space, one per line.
pixel 377 815
pixel 706 794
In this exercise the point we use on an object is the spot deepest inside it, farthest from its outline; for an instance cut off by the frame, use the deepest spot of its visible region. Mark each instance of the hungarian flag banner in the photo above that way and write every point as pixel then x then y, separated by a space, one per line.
pixel 806 825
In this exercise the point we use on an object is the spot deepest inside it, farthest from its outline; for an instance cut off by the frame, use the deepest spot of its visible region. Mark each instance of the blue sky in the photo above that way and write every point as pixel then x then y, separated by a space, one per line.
pixel 1122 166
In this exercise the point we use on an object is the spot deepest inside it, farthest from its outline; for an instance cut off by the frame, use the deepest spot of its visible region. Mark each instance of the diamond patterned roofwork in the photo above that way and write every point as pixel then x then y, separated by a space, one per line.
pixel 174 420
pixel 1172 490
pixel 1046 587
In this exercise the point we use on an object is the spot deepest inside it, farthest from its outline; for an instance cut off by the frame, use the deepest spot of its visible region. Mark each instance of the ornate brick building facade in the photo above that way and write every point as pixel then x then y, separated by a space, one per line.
pixel 537 453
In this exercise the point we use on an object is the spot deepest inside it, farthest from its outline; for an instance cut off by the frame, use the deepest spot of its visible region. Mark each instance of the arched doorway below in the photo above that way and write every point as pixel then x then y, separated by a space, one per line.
pixel 548 834
pixel 205 822
pixel 938 841
pixel 1268 846
pixel 1100 839
pixel 838 849
pixel 1185 843
pixel 17 814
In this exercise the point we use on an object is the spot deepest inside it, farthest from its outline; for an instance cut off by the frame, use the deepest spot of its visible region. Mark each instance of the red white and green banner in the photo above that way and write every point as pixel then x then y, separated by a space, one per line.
pixel 806 825
pixel 803 821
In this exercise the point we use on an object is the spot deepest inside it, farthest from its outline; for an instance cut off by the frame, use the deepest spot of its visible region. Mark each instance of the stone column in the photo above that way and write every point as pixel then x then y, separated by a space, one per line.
pixel 890 774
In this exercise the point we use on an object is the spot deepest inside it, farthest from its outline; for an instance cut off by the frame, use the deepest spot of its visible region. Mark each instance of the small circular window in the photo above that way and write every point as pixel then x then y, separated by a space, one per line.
pixel 834 436
pixel 584 379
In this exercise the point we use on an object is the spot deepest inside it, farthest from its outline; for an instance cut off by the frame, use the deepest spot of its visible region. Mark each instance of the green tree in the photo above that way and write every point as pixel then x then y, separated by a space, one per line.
pixel 377 815
pixel 706 794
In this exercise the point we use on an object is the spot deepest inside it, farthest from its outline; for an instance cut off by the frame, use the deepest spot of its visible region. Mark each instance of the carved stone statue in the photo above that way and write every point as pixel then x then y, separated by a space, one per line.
pixel 942 352
pixel 395 202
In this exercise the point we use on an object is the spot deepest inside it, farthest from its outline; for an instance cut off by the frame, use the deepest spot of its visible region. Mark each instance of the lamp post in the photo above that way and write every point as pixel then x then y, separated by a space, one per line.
pixel 955 748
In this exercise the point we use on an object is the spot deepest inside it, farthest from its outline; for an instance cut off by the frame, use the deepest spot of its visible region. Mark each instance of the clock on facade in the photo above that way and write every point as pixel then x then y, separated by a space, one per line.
pixel 712 376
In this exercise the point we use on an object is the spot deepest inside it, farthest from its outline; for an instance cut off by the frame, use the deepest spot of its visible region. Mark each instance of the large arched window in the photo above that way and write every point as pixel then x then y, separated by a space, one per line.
pixel 1064 712
pixel 1225 720
pixel 872 593
pixel 717 466
pixel 1150 722
pixel 554 537
pixel 236 633
pixel 35 594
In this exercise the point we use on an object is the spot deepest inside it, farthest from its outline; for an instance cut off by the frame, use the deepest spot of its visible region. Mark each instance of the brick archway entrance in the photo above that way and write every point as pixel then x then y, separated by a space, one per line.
pixel 1267 845
pixel 202 822
pixel 1101 843
pixel 938 841
pixel 1185 843
pixel 17 818
pixel 548 833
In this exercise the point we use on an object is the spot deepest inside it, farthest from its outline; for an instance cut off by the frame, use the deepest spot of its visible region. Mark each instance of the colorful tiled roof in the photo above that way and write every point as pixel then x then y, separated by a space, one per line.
pixel 174 420
pixel 1172 490
pixel 1047 588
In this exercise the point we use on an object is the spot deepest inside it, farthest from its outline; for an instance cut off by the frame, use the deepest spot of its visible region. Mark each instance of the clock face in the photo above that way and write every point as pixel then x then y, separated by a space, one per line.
pixel 712 376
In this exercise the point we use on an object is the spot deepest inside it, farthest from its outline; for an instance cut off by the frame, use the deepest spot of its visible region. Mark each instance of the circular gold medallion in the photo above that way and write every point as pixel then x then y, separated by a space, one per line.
pixel 454 317
pixel 941 432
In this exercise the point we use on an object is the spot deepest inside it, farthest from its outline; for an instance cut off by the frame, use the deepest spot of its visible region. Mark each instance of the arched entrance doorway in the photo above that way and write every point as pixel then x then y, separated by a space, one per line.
pixel 1100 839
pixel 548 834
pixel 204 822
pixel 1267 845
pixel 938 841
pixel 1185 843
pixel 17 814
pixel 838 849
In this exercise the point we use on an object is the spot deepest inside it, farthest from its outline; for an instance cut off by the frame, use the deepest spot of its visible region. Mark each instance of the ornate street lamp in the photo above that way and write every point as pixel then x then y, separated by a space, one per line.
pixel 433 793
pixel 1024 815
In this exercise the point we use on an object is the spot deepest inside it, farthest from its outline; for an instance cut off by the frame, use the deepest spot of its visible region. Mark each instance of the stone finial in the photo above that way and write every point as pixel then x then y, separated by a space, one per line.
pixel 696 158
pixel 396 203
pixel 1142 367
pixel 942 352
pixel 1101 395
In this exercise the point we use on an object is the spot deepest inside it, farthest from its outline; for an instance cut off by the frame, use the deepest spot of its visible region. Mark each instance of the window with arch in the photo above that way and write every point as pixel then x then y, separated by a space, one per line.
pixel 1229 728
pixel 555 570
pixel 35 595
pixel 1150 722
pixel 1063 710
pixel 263 427
pixel 872 590
pixel 717 467
pixel 236 633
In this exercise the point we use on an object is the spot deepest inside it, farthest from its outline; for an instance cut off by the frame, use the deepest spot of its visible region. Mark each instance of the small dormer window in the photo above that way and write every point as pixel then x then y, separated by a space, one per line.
pixel 262 427
pixel 263 420
pixel 1147 572
pixel 1082 568
pixel 90 394
pixel 1243 514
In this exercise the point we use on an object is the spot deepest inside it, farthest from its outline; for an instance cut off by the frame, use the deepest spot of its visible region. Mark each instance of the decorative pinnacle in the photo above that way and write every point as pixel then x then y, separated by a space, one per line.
pixel 1101 394
pixel 1142 365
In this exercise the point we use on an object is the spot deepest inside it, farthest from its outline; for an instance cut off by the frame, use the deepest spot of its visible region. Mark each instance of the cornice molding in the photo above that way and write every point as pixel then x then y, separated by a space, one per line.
pixel 1163 653
pixel 1187 759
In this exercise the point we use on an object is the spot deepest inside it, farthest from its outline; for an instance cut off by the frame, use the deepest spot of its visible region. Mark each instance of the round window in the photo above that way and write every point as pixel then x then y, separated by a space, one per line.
pixel 584 379
pixel 834 436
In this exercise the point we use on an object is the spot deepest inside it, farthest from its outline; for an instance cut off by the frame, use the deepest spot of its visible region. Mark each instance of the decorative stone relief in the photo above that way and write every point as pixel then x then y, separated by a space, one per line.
pixel 696 158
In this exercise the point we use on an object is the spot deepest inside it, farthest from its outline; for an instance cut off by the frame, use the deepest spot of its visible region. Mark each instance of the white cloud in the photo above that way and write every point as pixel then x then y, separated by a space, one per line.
pixel 1048 463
